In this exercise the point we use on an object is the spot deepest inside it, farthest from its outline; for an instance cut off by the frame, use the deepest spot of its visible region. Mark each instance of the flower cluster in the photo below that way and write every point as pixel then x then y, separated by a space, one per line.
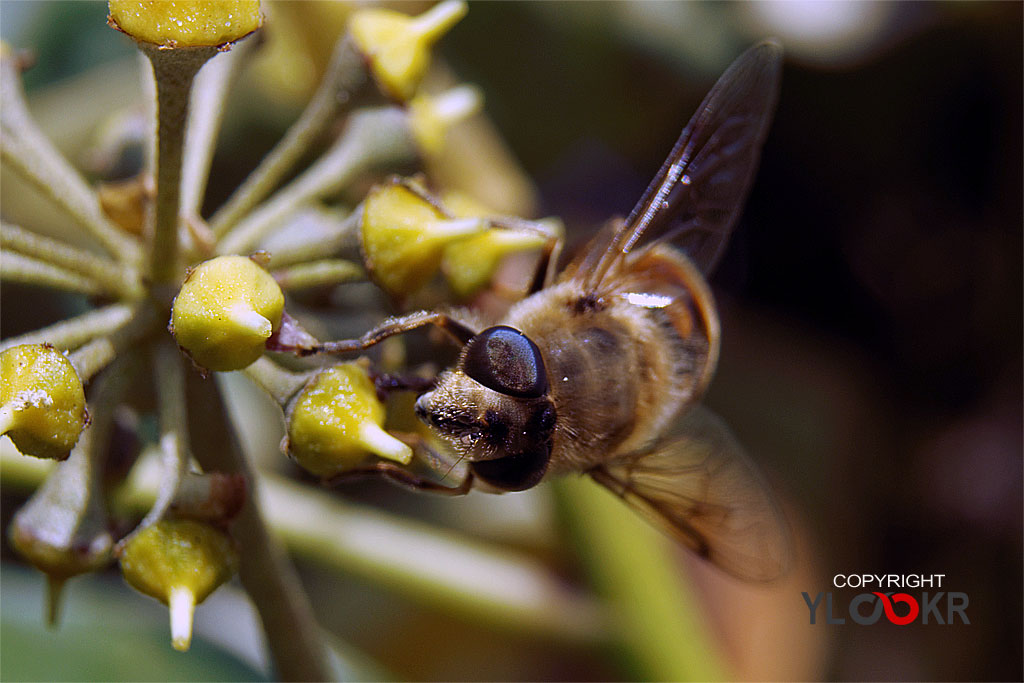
pixel 179 295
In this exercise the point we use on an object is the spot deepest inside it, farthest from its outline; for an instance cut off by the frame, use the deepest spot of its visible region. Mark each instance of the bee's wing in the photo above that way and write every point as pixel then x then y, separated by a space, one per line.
pixel 698 484
pixel 696 197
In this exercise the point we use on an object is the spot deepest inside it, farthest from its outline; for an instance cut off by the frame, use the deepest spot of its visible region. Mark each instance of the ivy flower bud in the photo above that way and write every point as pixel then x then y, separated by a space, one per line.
pixel 42 403
pixel 397 46
pixel 63 530
pixel 336 423
pixel 186 23
pixel 226 310
pixel 179 562
pixel 404 234
pixel 431 117
pixel 469 264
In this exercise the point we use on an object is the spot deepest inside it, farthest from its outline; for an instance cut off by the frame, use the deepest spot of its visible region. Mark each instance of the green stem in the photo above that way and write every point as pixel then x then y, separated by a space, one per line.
pixel 73 332
pixel 312 233
pixel 209 95
pixel 281 384
pixel 118 279
pixel 93 357
pixel 318 273
pixel 174 71
pixel 373 138
pixel 98 353
pixel 29 153
pixel 173 417
pixel 345 75
pixel 637 570
pixel 15 267
pixel 479 582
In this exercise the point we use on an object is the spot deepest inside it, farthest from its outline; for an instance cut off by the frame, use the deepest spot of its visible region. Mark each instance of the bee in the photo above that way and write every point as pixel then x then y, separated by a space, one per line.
pixel 599 371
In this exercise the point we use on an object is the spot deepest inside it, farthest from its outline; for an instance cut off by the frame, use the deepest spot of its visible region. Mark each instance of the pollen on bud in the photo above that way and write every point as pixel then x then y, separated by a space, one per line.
pixel 336 423
pixel 42 402
pixel 397 46
pixel 404 234
pixel 226 310
pixel 179 562
pixel 430 117
pixel 186 23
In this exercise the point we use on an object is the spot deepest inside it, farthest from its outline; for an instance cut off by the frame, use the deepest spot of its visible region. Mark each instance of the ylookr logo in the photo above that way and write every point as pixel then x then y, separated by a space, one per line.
pixel 926 607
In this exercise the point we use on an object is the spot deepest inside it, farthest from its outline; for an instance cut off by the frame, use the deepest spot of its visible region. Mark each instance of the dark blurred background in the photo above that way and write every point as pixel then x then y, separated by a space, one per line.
pixel 871 294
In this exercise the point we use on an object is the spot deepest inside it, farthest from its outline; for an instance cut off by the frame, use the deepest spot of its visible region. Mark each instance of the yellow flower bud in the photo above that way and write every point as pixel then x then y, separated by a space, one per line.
pixel 63 530
pixel 403 236
pixel 55 556
pixel 336 423
pixel 398 46
pixel 42 403
pixel 431 117
pixel 465 206
pixel 226 310
pixel 469 264
pixel 186 23
pixel 179 562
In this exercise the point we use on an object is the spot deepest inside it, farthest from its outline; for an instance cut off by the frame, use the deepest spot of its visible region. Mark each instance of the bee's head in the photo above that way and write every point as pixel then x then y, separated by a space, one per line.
pixel 494 408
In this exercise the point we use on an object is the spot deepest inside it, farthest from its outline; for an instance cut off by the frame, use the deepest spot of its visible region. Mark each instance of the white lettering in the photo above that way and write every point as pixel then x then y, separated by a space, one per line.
pixel 888 580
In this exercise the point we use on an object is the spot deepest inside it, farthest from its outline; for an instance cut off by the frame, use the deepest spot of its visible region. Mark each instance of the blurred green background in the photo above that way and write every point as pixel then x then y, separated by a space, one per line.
pixel 871 305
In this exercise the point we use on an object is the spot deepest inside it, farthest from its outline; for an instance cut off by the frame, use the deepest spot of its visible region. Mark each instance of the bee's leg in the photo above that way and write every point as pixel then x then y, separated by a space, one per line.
pixel 386 383
pixel 459 331
pixel 547 265
pixel 404 478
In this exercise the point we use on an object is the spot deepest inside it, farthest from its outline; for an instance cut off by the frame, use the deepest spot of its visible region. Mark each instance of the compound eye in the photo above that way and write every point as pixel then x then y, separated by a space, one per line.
pixel 505 360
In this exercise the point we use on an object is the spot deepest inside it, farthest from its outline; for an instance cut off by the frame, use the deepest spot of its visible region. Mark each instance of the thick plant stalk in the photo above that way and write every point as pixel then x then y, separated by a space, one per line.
pixel 293 636
pixel 174 71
